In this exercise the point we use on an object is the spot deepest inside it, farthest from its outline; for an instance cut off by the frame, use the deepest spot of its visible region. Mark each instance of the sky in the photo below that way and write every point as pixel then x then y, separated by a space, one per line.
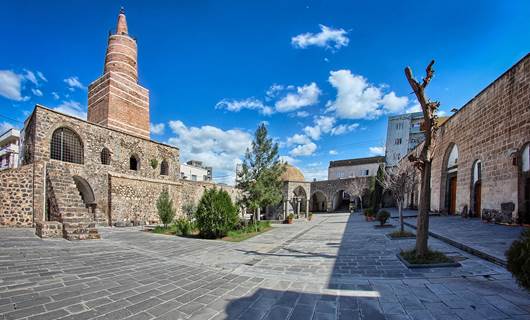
pixel 323 75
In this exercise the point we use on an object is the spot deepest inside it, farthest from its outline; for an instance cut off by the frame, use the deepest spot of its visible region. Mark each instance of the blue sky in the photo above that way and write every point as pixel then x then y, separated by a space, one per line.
pixel 324 75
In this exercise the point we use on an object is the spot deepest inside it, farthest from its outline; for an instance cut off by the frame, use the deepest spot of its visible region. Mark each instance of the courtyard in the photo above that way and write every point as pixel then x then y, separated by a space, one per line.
pixel 334 267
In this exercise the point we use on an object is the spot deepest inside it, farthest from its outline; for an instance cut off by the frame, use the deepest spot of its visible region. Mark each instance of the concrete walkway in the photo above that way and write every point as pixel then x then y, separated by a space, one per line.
pixel 334 267
pixel 491 240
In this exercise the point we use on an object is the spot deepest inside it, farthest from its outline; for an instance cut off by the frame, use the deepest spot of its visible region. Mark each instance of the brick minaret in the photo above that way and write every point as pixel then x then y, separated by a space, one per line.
pixel 116 100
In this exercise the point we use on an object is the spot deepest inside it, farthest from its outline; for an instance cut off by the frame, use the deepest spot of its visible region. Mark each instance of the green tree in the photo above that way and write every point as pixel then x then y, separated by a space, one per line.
pixel 166 212
pixel 378 189
pixel 259 178
pixel 216 214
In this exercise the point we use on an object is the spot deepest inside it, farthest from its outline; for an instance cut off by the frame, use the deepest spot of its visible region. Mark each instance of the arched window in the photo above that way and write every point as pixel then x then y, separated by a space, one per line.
pixel 105 156
pixel 66 146
pixel 134 162
pixel 164 168
pixel 477 171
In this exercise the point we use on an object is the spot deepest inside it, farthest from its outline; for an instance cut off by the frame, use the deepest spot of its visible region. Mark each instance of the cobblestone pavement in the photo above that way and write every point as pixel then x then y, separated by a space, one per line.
pixel 334 267
pixel 475 233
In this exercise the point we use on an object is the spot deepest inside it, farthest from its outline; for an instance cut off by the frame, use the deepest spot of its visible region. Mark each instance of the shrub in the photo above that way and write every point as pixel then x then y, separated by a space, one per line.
pixel 154 163
pixel 189 209
pixel 369 212
pixel 166 212
pixel 215 215
pixel 382 217
pixel 519 259
pixel 184 226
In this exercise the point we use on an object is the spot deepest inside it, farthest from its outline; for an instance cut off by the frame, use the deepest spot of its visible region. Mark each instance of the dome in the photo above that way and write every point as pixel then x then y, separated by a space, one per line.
pixel 292 174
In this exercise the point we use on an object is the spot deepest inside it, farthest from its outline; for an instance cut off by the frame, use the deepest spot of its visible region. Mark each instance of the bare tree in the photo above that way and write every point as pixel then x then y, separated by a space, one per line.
pixel 424 160
pixel 356 187
pixel 400 181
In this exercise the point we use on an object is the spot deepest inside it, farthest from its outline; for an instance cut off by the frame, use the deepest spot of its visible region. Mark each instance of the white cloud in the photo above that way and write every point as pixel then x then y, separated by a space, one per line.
pixel 298 139
pixel 358 99
pixel 318 171
pixel 221 149
pixel 441 113
pixel 328 38
pixel 333 152
pixel 274 90
pixel 11 85
pixel 288 159
pixel 73 83
pixel 55 95
pixel 4 126
pixel 322 125
pixel 72 108
pixel 304 150
pixel 249 103
pixel 41 76
pixel 37 92
pixel 302 114
pixel 393 103
pixel 416 107
pixel 343 128
pixel 377 151
pixel 157 128
pixel 306 95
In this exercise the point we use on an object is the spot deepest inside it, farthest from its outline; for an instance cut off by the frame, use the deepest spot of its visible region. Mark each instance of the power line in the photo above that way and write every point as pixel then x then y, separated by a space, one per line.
pixel 10 119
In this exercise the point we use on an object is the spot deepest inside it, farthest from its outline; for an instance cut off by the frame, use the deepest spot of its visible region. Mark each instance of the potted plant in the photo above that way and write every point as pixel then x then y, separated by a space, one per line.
pixel 290 218
pixel 369 214
pixel 382 217
pixel 310 216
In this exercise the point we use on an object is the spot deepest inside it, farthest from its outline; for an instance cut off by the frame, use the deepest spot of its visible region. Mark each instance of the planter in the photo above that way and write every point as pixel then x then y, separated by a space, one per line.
pixel 428 265
pixel 378 226
pixel 399 238
pixel 288 221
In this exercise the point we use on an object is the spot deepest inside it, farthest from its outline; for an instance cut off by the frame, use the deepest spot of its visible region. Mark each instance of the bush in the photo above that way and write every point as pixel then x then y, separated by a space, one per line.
pixel 519 259
pixel 382 217
pixel 215 215
pixel 166 212
pixel 184 226
pixel 189 209
pixel 369 212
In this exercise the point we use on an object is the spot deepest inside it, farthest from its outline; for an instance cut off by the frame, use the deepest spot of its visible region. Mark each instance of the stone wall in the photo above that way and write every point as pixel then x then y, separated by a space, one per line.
pixel 133 199
pixel 330 188
pixel 192 191
pixel 492 128
pixel 21 195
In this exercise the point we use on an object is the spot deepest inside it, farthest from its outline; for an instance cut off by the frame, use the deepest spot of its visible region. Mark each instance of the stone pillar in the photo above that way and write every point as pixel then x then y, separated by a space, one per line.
pixel 258 218
pixel 307 208
pixel 298 202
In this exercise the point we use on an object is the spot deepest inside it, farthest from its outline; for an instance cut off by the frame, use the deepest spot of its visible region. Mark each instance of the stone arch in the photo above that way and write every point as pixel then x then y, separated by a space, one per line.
pixel 341 200
pixel 475 192
pixel 319 201
pixel 449 178
pixel 134 162
pixel 66 145
pixel 85 190
pixel 299 200
pixel 164 168
pixel 523 188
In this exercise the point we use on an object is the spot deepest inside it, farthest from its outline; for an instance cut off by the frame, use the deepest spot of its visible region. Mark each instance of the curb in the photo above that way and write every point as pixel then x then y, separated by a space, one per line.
pixel 430 265
pixel 466 248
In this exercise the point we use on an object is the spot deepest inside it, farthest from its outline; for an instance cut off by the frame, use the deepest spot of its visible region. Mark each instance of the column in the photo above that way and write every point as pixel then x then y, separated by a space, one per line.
pixel 307 208
pixel 298 202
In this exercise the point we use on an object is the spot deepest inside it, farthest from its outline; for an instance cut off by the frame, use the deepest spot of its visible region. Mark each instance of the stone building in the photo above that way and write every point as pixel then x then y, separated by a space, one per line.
pixel 77 174
pixel 351 168
pixel 480 168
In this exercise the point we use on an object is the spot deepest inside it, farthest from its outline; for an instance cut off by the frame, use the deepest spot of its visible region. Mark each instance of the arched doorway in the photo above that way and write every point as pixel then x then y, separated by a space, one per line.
pixel 451 177
pixel 524 184
pixel 319 202
pixel 299 201
pixel 476 189
pixel 86 193
pixel 341 201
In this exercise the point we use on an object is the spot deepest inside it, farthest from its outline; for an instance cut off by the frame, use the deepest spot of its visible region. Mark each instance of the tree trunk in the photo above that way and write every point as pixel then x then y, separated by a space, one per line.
pixel 422 233
pixel 400 210
pixel 361 199
pixel 258 214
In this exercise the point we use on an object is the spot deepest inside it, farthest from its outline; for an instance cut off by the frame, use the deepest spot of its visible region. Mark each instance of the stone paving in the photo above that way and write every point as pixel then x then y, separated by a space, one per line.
pixel 492 239
pixel 334 267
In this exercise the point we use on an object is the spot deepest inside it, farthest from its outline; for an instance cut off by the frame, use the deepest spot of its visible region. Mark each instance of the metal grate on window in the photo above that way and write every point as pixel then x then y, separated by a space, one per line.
pixel 164 168
pixel 66 146
pixel 105 156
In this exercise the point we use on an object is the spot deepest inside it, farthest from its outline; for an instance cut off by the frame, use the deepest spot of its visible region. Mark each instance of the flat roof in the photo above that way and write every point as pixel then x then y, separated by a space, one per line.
pixel 357 161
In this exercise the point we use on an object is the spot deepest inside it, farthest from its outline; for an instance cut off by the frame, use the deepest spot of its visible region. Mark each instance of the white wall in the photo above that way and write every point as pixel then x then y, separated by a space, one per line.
pixel 344 172
pixel 190 171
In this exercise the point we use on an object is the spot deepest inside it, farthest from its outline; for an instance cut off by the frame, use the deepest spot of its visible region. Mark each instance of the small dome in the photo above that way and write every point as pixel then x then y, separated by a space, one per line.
pixel 292 174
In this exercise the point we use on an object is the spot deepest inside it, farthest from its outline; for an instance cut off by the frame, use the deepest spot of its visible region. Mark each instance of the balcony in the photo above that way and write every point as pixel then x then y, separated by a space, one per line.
pixel 12 148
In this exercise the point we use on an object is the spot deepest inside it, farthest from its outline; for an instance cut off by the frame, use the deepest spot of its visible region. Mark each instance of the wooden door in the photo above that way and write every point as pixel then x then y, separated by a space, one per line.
pixel 478 199
pixel 452 195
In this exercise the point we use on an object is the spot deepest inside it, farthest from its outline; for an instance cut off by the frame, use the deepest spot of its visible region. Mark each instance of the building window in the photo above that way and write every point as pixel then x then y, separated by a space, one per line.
pixel 193 177
pixel 398 141
pixel 66 146
pixel 105 156
pixel 134 162
pixel 399 125
pixel 164 168
pixel 525 159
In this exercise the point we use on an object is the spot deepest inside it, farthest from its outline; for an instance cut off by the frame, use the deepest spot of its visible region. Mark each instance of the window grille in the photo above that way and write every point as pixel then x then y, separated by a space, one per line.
pixel 164 168
pixel 66 146
pixel 105 156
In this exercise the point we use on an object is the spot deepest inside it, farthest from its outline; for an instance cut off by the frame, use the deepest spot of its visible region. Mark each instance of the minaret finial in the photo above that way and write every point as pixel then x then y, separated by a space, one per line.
pixel 121 28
